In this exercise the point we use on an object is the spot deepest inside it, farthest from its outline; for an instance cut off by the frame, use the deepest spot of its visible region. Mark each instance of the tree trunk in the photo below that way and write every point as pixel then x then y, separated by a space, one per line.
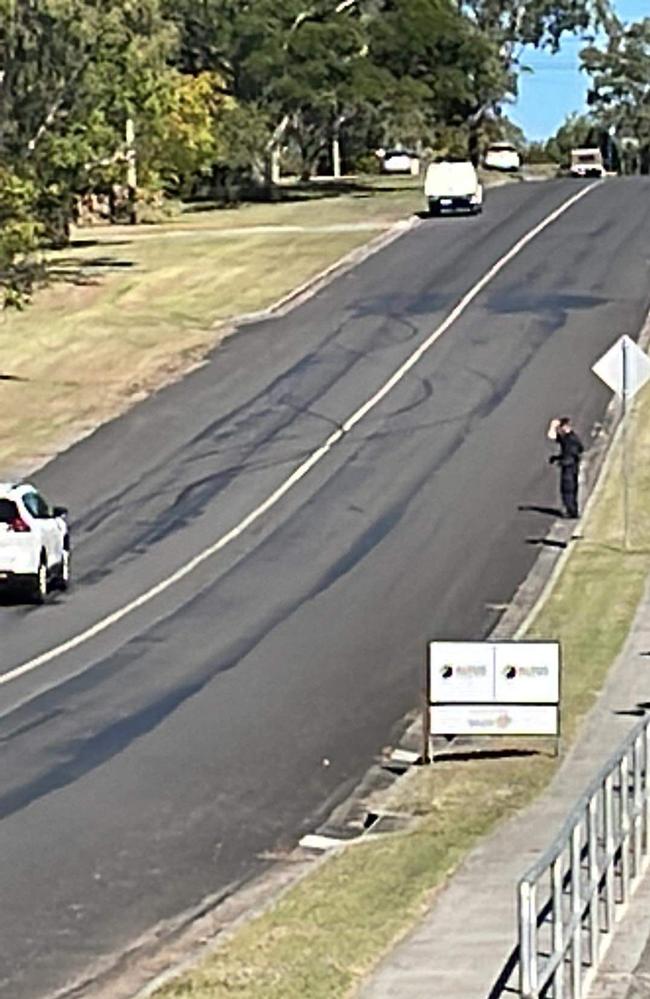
pixel 474 143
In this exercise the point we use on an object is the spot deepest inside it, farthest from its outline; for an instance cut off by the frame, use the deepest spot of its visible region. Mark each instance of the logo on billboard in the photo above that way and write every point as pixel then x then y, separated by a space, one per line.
pixel 465 671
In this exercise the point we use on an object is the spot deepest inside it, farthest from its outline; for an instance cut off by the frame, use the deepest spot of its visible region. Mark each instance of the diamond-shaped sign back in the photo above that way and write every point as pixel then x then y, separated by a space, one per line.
pixel 625 368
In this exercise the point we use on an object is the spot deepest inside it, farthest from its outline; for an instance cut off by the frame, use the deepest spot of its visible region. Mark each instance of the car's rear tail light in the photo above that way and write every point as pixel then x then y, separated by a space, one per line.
pixel 19 526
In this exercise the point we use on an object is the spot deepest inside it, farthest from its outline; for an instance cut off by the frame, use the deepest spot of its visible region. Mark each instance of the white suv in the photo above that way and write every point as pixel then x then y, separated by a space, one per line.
pixel 34 541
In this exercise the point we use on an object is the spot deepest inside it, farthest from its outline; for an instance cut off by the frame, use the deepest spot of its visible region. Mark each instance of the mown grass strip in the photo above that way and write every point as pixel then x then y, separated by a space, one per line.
pixel 131 308
pixel 326 933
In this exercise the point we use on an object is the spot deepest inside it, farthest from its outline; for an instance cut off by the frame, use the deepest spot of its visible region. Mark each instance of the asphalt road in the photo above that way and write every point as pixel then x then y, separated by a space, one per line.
pixel 155 763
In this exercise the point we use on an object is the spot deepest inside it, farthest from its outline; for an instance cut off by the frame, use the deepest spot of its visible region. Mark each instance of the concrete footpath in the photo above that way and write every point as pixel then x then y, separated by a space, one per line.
pixel 465 946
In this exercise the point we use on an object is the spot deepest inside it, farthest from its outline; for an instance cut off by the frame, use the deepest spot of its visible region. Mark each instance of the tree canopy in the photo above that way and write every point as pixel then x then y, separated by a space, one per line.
pixel 620 88
pixel 215 86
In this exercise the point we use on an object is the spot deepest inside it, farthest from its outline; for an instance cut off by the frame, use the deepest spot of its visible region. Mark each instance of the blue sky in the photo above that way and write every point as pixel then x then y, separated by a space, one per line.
pixel 557 87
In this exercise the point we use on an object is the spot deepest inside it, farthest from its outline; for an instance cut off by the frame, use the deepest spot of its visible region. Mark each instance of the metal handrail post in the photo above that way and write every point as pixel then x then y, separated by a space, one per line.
pixel 646 788
pixel 624 825
pixel 609 852
pixel 527 941
pixel 594 898
pixel 557 887
pixel 576 913
pixel 638 803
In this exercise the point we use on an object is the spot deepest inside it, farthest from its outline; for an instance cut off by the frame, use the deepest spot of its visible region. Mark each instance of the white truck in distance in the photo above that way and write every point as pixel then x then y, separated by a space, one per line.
pixel 452 186
pixel 587 163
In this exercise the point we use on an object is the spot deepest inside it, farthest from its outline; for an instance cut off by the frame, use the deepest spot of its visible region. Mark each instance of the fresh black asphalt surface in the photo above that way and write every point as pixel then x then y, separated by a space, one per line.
pixel 158 762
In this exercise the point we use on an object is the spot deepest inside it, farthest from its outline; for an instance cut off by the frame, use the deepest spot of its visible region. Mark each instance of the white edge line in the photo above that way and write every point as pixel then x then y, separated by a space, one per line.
pixel 301 471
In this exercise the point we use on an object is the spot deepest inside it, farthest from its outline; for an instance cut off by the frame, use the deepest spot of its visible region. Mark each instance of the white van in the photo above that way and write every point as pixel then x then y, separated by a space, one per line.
pixel 587 163
pixel 452 186
pixel 502 156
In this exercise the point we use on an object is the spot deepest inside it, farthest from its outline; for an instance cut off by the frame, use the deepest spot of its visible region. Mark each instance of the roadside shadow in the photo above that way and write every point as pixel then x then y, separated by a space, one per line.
pixel 81 272
pixel 300 191
pixel 642 708
pixel 84 244
pixel 476 755
pixel 502 986
pixel 13 598
pixel 425 216
pixel 548 511
pixel 547 542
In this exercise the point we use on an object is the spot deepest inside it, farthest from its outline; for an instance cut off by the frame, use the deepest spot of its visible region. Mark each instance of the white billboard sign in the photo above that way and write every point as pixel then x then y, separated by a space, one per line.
pixel 493 688
pixel 494 719
pixel 527 672
pixel 461 671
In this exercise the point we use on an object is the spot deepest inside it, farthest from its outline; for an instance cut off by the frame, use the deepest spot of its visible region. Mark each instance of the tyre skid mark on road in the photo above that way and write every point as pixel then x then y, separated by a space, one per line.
pixel 310 462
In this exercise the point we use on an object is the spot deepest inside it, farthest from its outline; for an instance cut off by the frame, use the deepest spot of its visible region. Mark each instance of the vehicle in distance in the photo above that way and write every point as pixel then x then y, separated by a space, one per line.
pixel 502 156
pixel 400 161
pixel 587 163
pixel 34 541
pixel 452 186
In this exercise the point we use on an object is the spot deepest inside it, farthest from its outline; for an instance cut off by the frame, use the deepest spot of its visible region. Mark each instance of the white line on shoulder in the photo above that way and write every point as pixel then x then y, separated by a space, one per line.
pixel 301 471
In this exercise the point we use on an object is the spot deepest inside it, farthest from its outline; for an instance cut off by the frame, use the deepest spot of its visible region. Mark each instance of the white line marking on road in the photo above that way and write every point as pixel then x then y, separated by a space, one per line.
pixel 302 470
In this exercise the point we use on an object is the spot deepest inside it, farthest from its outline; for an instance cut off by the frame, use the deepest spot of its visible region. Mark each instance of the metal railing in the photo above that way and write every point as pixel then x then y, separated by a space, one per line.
pixel 570 899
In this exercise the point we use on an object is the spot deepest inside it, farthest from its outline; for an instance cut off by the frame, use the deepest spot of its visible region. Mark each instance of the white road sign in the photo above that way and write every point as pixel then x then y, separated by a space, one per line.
pixel 494 719
pixel 625 368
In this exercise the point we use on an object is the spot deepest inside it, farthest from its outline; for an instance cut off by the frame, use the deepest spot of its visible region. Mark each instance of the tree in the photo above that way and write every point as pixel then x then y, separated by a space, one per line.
pixel 574 132
pixel 71 73
pixel 18 238
pixel 620 88
pixel 513 26
pixel 440 60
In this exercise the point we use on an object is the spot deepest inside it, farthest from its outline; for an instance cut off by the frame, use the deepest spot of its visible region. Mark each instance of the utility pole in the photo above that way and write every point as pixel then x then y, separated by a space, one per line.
pixel 131 170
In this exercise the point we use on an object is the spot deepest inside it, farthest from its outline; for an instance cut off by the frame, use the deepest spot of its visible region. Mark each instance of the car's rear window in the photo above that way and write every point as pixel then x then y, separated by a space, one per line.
pixel 8 511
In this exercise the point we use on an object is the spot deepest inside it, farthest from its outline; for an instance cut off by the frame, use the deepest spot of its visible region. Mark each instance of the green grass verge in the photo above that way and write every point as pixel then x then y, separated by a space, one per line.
pixel 131 308
pixel 325 934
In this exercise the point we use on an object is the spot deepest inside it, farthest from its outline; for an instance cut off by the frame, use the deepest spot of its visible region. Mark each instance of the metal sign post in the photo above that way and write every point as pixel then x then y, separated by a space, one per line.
pixel 625 369
pixel 624 455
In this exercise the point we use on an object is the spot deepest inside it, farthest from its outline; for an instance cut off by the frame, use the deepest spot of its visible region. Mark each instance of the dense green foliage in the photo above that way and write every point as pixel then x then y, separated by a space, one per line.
pixel 620 92
pixel 219 89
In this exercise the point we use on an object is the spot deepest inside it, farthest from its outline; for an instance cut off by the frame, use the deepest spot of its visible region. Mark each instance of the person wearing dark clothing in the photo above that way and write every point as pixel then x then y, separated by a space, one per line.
pixel 568 458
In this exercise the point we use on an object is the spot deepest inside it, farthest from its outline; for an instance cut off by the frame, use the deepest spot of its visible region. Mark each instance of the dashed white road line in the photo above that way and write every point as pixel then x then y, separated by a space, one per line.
pixel 302 470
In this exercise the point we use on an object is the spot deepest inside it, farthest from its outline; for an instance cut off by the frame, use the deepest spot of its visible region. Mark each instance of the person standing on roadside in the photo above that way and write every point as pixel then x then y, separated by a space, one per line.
pixel 568 458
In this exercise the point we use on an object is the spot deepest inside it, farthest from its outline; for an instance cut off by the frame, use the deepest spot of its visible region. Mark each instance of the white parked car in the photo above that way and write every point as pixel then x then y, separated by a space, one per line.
pixel 453 186
pixel 400 161
pixel 502 156
pixel 34 541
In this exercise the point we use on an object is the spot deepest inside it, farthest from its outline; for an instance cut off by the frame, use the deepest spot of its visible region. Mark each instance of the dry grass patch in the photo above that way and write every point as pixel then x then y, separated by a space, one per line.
pixel 133 308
